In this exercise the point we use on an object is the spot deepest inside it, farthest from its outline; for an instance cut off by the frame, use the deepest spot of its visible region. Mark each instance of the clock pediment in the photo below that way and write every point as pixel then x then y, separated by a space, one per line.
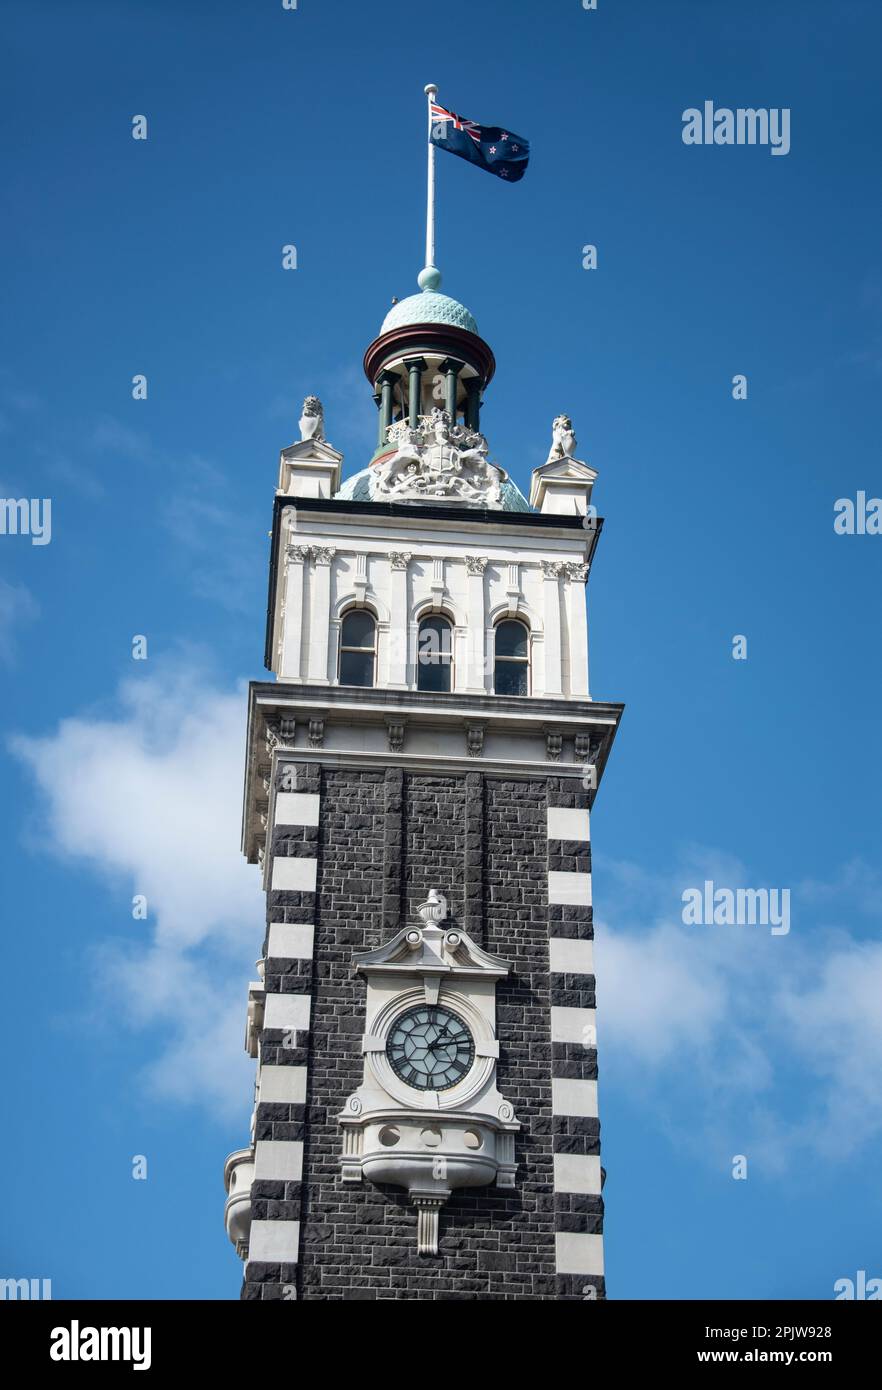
pixel 432 950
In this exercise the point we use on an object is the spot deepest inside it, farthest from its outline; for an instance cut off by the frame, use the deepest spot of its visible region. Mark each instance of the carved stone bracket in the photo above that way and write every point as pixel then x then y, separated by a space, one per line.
pixel 279 732
pixel 316 733
pixel 395 733
pixel 428 1210
pixel 475 740
pixel 553 745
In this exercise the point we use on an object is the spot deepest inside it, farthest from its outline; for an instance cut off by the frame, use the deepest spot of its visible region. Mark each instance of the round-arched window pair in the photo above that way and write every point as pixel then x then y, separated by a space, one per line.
pixel 511 659
pixel 358 654
pixel 358 651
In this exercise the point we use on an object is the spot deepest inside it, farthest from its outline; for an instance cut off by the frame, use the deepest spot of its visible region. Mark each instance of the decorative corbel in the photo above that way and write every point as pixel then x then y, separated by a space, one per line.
pixel 475 740
pixel 553 745
pixel 395 729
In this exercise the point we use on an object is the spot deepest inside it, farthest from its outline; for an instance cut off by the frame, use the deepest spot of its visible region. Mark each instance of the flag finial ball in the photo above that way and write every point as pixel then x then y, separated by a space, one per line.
pixel 429 278
pixel 430 89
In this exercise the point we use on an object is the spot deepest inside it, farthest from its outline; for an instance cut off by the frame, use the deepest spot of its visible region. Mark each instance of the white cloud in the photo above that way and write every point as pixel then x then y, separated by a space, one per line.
pixel 835 1023
pixel 151 798
pixel 736 1041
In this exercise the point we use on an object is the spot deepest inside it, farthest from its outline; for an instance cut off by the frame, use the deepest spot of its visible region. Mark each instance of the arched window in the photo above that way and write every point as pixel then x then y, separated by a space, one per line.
pixel 511 666
pixel 434 654
pixel 358 648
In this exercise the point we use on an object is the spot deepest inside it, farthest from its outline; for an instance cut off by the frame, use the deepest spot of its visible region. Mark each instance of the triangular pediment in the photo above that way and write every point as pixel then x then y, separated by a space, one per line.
pixel 566 470
pixel 311 451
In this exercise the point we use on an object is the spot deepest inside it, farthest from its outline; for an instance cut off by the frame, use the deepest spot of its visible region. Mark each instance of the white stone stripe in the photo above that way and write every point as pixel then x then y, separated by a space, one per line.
pixel 293 874
pixel 274 1242
pixel 574 1097
pixel 574 1025
pixel 573 1173
pixel 290 941
pixel 568 956
pixel 571 889
pixel 281 1160
pixel 286 1011
pixel 577 1254
pixel 567 824
pixel 283 1085
pixel 297 808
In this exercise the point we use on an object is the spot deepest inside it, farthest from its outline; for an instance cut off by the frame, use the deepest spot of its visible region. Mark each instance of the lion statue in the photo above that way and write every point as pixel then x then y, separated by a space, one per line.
pixel 312 419
pixel 563 440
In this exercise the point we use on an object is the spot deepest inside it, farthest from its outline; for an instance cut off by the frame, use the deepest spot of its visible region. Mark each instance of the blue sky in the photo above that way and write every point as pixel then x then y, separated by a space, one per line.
pixel 268 127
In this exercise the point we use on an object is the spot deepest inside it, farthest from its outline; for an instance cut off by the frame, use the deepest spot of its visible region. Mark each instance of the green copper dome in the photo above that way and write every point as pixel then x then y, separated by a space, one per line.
pixel 428 307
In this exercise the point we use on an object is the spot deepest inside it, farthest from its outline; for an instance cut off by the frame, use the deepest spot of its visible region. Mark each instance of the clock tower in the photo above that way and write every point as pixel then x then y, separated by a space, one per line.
pixel 419 779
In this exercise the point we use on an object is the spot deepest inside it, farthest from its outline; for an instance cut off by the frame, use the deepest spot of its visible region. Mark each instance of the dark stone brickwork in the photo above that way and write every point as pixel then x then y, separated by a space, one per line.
pixel 385 838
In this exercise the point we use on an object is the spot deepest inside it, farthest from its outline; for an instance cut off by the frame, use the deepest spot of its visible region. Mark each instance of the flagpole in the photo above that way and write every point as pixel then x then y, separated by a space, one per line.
pixel 431 92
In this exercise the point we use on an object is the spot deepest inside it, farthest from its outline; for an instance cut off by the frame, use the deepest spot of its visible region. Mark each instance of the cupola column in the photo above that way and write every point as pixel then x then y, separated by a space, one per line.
pixel 415 368
pixel 451 370
pixel 473 402
pixel 386 381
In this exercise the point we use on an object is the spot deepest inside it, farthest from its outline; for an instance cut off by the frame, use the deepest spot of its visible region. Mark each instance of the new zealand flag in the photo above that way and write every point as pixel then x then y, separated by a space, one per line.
pixel 489 146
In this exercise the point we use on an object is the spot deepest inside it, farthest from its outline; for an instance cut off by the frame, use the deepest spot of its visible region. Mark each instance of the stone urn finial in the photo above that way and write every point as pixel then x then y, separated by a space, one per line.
pixel 434 909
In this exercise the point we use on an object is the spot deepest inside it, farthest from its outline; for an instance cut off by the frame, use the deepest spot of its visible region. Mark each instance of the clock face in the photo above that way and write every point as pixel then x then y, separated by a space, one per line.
pixel 430 1048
